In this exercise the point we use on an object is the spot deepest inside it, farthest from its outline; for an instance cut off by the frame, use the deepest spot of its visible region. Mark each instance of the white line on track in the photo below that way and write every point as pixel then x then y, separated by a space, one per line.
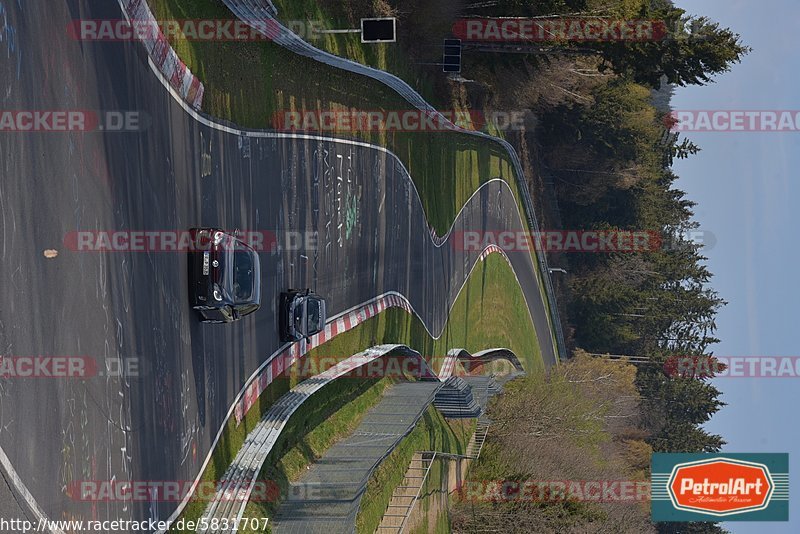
pixel 4 460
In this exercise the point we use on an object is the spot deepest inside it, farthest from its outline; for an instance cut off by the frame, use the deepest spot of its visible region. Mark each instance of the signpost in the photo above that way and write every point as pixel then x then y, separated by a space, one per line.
pixel 379 30
pixel 451 61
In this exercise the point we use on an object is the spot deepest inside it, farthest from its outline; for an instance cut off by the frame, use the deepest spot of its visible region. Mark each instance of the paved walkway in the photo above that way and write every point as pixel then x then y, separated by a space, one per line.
pixel 330 507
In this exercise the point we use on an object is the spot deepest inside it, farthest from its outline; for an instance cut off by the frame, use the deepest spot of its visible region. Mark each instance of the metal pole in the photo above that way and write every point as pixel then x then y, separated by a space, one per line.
pixel 354 30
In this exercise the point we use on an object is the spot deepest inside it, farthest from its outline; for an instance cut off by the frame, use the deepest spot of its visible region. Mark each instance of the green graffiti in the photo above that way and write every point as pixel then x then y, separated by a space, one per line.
pixel 351 215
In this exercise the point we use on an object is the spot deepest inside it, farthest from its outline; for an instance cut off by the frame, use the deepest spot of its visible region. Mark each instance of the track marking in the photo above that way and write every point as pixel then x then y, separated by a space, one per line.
pixel 202 119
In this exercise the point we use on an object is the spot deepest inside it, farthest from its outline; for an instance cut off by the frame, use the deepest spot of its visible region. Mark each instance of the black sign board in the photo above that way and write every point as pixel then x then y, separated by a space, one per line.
pixel 452 55
pixel 380 30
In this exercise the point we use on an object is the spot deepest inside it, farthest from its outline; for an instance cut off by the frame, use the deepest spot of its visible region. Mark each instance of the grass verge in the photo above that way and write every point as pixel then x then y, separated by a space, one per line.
pixel 300 15
pixel 250 83
pixel 489 312
pixel 311 430
pixel 432 433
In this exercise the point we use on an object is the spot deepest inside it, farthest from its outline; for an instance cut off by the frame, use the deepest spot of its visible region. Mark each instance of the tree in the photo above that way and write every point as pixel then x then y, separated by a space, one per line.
pixel 685 437
pixel 681 151
pixel 682 58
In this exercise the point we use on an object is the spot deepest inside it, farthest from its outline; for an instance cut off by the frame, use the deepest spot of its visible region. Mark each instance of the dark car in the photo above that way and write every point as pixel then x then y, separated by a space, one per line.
pixel 224 276
pixel 302 314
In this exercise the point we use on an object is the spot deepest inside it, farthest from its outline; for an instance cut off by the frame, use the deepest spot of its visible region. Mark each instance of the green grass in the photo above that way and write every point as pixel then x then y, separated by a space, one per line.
pixel 249 82
pixel 441 526
pixel 432 433
pixel 391 57
pixel 489 312
pixel 313 429
pixel 230 443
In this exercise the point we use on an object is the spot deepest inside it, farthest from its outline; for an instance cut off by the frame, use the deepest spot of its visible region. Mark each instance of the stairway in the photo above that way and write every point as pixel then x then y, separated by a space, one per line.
pixel 406 494
pixel 478 438
pixel 455 399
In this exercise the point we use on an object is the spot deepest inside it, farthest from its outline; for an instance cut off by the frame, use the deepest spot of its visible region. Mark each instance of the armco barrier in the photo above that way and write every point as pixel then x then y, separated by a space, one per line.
pixel 174 70
pixel 490 355
pixel 237 484
pixel 350 319
pixel 239 479
pixel 297 350
pixel 256 12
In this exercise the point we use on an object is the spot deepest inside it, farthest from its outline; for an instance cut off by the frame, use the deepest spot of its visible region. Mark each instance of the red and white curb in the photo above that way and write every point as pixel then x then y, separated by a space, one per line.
pixel 164 57
pixel 292 353
pixel 349 320
pixel 448 365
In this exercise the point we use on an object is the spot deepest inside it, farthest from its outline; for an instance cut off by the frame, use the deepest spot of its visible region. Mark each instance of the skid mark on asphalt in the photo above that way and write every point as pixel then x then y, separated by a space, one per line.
pixel 334 204
pixel 351 214
pixel 206 163
pixel 5 391
pixel 3 237
pixel 8 36
pixel 79 454
pixel 190 431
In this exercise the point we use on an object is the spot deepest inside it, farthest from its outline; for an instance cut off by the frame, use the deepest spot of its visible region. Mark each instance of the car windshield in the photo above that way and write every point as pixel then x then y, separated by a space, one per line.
pixel 313 315
pixel 298 318
pixel 243 272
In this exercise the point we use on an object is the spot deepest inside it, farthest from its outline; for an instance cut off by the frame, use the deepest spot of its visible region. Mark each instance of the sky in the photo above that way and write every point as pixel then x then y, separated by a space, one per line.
pixel 747 186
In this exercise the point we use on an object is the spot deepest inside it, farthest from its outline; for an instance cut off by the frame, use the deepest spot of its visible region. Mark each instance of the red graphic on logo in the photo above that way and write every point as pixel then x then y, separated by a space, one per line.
pixel 720 486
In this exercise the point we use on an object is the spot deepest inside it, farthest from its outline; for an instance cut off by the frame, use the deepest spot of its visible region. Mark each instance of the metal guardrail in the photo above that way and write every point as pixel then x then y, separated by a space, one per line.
pixel 489 355
pixel 477 439
pixel 239 479
pixel 237 483
pixel 257 13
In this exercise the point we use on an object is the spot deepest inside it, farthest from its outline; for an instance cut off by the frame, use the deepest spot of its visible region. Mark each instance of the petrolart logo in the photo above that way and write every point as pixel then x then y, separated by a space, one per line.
pixel 720 487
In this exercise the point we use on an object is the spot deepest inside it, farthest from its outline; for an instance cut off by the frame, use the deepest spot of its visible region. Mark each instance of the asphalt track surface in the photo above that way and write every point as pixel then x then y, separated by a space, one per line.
pixel 178 173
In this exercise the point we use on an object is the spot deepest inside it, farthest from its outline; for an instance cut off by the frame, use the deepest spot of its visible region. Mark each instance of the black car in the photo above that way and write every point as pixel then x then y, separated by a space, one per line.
pixel 224 276
pixel 302 314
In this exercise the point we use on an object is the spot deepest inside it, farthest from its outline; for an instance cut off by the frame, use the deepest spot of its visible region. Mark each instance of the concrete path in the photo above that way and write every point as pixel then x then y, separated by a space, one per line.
pixel 327 497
